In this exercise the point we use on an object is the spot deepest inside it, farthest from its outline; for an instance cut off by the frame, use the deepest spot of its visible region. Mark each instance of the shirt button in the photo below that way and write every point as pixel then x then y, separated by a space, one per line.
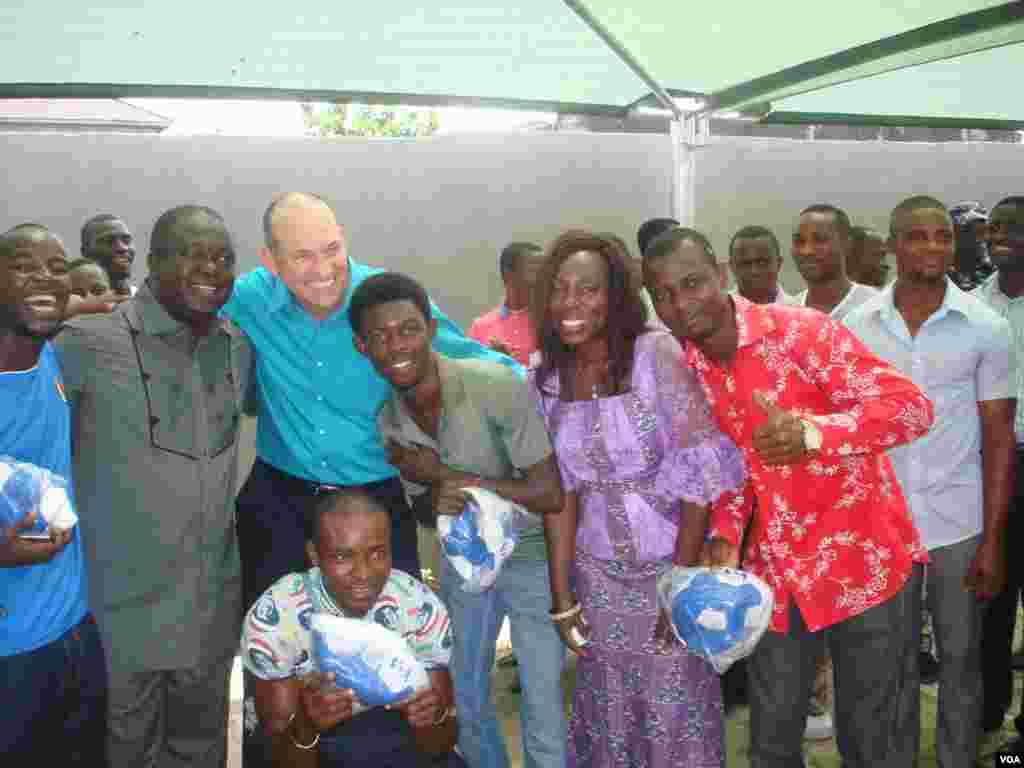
pixel 323 463
pixel 320 398
pixel 322 432
pixel 319 364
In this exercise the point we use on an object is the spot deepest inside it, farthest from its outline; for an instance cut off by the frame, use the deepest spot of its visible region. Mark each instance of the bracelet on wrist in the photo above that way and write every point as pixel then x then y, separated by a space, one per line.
pixel 445 714
pixel 568 614
pixel 290 728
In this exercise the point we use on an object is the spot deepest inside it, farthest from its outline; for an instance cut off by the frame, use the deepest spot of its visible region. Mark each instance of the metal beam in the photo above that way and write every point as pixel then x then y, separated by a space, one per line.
pixel 890 121
pixel 627 58
pixel 144 91
pixel 768 87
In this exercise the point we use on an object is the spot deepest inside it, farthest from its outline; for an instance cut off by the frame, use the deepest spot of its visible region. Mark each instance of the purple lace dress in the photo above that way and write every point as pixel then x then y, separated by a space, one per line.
pixel 631 459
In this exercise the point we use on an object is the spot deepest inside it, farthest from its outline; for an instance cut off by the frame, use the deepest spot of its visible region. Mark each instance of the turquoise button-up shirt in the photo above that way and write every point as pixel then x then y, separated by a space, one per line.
pixel 317 396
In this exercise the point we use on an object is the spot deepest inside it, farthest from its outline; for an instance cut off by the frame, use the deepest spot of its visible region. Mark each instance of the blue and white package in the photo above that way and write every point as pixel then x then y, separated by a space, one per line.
pixel 479 541
pixel 719 614
pixel 376 663
pixel 27 488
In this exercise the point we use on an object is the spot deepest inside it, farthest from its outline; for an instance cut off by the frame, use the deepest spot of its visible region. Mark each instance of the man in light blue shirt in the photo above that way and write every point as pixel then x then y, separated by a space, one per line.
pixel 958 478
pixel 316 397
pixel 53 676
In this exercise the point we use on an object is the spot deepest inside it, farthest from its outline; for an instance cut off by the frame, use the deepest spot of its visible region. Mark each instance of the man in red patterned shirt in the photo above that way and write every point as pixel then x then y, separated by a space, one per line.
pixel 813 412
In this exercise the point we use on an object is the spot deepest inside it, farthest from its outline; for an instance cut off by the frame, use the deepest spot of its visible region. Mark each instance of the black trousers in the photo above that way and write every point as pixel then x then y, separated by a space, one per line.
pixel 272 513
pixel 1001 617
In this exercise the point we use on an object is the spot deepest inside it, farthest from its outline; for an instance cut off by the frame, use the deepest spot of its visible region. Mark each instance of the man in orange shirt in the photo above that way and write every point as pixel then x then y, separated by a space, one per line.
pixel 506 328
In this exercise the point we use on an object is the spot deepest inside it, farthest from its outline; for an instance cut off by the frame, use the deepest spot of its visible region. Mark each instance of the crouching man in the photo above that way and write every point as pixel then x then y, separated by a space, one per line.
pixel 309 720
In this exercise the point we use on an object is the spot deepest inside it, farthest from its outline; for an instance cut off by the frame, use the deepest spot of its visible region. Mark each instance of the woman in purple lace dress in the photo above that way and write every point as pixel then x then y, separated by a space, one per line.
pixel 640 461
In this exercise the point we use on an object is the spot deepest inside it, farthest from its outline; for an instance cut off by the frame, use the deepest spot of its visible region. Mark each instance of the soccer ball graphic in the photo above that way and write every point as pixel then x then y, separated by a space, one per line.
pixel 719 614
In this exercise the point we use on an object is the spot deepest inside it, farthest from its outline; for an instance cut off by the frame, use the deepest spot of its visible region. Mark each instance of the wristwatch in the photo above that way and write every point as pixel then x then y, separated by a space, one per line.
pixel 812 435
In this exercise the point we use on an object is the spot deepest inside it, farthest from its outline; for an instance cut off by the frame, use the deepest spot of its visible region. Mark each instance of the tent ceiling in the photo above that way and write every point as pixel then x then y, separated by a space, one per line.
pixel 527 54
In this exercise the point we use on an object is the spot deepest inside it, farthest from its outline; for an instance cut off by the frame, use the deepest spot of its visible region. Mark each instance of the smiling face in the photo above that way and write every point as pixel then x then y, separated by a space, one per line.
pixel 819 248
pixel 89 281
pixel 310 256
pixel 197 277
pixel 687 292
pixel 755 264
pixel 353 551
pixel 923 242
pixel 578 306
pixel 1005 237
pixel 34 285
pixel 111 246
pixel 396 338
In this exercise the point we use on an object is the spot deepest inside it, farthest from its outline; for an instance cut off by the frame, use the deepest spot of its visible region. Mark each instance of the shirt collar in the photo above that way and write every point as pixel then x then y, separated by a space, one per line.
pixel 504 312
pixel 955 300
pixel 154 318
pixel 753 321
pixel 156 321
pixel 453 392
pixel 990 288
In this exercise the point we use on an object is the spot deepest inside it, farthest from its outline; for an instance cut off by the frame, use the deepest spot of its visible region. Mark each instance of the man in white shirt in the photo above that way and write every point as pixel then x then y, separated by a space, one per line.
pixel 958 478
pixel 821 244
pixel 1004 293
pixel 755 260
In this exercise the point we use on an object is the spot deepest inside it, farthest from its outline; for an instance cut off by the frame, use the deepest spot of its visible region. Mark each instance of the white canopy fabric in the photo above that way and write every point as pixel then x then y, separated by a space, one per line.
pixel 790 57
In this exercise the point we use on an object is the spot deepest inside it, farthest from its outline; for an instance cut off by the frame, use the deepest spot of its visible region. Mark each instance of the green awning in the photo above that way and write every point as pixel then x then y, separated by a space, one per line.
pixel 910 60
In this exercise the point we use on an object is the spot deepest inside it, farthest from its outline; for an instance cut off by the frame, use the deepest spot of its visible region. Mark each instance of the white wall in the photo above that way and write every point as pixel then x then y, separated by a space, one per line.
pixel 768 182
pixel 439 209
pixel 442 209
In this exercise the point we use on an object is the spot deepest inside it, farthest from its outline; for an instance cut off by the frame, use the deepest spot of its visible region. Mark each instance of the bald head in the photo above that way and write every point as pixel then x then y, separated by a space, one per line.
pixel 282 205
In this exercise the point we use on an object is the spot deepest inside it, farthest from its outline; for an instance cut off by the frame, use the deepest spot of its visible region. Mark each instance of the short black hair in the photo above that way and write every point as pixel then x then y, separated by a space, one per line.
pixel 1015 200
pixel 382 288
pixel 915 203
pixel 331 501
pixel 276 202
pixel 161 241
pixel 91 224
pixel 512 254
pixel 28 230
pixel 859 233
pixel 650 229
pixel 666 243
pixel 82 262
pixel 754 232
pixel 842 220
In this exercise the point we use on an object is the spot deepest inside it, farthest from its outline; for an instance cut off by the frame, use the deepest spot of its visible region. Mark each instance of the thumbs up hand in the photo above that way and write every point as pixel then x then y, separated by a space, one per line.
pixel 780 440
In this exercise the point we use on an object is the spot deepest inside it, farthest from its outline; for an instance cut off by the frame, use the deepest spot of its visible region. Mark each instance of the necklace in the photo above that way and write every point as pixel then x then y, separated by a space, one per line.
pixel 603 367
pixel 328 601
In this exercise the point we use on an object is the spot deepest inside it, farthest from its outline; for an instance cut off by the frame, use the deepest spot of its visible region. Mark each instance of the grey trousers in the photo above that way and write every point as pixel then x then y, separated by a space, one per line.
pixel 956 628
pixel 871 682
pixel 169 719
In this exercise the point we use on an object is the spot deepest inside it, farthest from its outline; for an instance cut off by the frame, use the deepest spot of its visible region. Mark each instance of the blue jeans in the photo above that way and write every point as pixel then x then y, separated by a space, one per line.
pixel 521 594
pixel 54 702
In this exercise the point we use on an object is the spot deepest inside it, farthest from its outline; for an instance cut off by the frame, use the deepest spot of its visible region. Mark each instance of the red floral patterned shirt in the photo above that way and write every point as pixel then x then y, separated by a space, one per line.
pixel 833 531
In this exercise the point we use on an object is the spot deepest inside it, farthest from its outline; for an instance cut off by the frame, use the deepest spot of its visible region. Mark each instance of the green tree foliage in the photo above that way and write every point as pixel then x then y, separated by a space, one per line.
pixel 370 120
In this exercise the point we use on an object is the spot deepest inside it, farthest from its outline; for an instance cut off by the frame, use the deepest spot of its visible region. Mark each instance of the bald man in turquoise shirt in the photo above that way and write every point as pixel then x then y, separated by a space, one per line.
pixel 316 397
